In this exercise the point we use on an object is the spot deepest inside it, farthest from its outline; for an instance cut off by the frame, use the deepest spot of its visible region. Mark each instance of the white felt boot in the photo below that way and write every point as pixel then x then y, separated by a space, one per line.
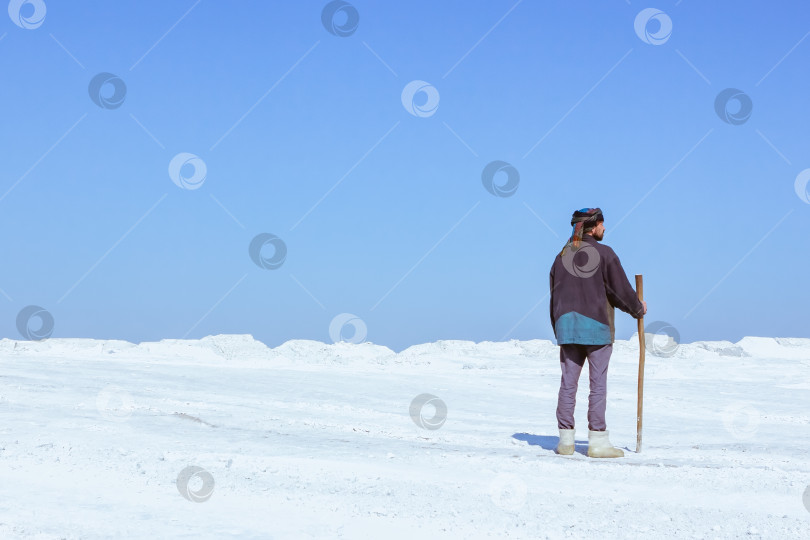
pixel 566 446
pixel 599 446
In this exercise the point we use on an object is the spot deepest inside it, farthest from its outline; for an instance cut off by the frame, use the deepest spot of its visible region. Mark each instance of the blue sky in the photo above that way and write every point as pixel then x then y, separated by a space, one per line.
pixel 383 213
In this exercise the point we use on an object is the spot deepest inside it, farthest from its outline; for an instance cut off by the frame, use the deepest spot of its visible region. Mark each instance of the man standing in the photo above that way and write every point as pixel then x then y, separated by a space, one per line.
pixel 587 282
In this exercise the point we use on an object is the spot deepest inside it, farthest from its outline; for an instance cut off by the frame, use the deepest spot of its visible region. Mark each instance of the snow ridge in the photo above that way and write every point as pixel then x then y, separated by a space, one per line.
pixel 240 348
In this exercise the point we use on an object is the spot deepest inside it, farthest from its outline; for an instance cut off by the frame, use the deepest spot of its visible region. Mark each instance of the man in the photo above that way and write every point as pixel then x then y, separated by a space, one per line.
pixel 587 281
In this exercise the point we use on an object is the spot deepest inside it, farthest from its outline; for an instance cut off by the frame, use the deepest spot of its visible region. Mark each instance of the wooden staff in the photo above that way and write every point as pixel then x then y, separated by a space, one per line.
pixel 641 350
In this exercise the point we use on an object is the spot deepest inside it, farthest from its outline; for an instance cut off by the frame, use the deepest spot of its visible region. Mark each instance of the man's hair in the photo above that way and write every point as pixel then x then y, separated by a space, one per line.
pixel 591 226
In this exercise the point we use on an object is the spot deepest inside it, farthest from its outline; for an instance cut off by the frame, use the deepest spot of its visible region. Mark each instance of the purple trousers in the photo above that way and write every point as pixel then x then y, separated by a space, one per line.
pixel 572 358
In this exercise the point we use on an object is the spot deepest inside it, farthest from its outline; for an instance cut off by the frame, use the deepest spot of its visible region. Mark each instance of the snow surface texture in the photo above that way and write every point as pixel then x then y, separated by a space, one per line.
pixel 224 437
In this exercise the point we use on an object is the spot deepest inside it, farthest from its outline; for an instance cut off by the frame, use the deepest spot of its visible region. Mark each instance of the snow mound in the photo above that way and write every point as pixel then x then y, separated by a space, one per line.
pixel 767 347
pixel 722 348
pixel 462 348
pixel 65 346
pixel 483 355
pixel 212 348
pixel 243 348
pixel 316 352
pixel 233 346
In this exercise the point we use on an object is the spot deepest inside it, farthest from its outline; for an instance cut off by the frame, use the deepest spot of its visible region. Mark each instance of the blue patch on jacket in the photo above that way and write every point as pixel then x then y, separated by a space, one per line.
pixel 574 327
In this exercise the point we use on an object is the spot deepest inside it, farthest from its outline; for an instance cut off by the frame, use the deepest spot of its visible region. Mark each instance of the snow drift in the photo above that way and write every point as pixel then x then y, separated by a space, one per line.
pixel 226 437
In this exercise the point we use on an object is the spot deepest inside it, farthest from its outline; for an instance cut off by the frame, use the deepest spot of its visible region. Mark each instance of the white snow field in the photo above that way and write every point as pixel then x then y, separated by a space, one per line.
pixel 308 440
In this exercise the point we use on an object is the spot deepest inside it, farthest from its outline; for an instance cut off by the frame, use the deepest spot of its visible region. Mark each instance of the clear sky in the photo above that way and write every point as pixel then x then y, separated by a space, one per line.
pixel 294 115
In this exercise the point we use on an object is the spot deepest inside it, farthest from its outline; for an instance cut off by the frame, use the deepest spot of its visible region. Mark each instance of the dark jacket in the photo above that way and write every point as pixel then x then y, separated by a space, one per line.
pixel 585 287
